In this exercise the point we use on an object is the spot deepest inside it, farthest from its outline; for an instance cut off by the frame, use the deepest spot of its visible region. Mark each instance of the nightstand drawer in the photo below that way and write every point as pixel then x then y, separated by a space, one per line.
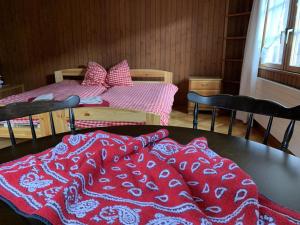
pixel 191 106
pixel 205 84
pixel 207 92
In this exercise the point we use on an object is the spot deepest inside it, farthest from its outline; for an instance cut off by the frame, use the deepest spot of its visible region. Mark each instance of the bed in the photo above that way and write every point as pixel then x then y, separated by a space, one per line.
pixel 128 105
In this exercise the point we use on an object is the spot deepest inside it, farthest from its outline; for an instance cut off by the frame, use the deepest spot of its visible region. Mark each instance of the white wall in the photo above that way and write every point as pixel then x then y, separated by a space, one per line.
pixel 288 97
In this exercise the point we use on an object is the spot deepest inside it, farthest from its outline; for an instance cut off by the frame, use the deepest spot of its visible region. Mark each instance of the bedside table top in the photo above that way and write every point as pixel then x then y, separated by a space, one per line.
pixel 204 78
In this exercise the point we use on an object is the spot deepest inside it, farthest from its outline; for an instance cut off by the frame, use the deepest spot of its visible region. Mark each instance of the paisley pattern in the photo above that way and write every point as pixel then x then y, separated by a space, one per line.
pixel 123 214
pixel 74 204
pixel 160 219
pixel 32 181
pixel 103 178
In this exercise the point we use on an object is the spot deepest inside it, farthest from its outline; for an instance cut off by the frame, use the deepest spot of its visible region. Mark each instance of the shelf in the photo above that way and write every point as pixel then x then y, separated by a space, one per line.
pixel 236 38
pixel 233 60
pixel 239 14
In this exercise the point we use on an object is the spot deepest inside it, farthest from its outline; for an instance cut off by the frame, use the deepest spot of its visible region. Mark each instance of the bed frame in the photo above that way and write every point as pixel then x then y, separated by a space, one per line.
pixel 93 113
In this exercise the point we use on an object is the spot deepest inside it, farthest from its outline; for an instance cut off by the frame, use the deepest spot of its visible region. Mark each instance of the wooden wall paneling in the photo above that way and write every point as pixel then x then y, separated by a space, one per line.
pixel 192 63
pixel 65 16
pixel 40 36
pixel 178 43
pixel 88 34
pixel 169 36
pixel 2 46
pixel 113 16
pixel 204 33
pixel 184 23
pixel 290 79
pixel 142 32
pixel 172 40
pixel 188 26
pixel 147 34
pixel 210 33
pixel 221 31
pixel 100 34
pixel 157 9
pixel 215 43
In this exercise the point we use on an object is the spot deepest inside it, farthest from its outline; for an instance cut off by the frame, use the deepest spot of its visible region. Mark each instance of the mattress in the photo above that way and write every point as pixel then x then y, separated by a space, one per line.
pixel 154 98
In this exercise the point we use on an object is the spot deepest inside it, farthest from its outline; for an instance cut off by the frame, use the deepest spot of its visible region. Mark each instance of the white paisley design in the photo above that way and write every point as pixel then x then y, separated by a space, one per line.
pixel 205 222
pixel 161 219
pixel 75 206
pixel 32 181
pixel 75 139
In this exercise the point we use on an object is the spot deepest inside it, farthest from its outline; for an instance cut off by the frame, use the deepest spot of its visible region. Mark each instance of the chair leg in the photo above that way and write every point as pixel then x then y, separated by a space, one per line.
pixel 287 136
pixel 249 125
pixel 11 133
pixel 72 120
pixel 32 128
pixel 213 119
pixel 195 119
pixel 52 124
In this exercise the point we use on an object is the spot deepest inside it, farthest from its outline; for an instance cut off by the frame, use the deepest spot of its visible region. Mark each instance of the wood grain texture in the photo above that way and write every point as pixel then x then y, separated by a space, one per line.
pixel 181 36
pixel 283 77
pixel 235 32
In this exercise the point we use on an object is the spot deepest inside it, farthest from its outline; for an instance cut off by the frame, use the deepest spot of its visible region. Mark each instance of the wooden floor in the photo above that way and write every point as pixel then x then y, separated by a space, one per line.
pixel 185 120
pixel 181 119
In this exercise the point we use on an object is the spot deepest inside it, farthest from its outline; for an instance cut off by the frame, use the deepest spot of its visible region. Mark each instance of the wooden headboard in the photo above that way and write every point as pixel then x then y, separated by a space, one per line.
pixel 138 75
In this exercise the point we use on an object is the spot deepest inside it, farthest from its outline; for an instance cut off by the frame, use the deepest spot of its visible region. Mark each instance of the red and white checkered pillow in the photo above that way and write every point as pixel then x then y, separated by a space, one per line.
pixel 119 75
pixel 95 75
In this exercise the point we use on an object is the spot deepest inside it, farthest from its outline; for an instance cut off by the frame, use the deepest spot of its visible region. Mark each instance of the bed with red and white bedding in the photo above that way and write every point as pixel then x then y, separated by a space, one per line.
pixel 154 98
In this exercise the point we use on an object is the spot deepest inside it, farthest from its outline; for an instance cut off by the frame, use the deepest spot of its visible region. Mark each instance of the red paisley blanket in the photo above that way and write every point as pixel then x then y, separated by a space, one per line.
pixel 103 178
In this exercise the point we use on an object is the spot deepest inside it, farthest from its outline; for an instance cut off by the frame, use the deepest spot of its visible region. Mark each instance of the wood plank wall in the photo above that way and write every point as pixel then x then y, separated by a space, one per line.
pixel 40 36
pixel 283 77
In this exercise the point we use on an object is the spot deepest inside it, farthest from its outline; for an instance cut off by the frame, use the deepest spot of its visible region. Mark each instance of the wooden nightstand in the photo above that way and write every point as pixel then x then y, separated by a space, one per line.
pixel 8 90
pixel 204 86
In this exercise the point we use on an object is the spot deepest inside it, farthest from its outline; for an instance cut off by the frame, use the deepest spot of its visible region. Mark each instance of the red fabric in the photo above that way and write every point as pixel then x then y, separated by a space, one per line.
pixel 155 98
pixel 103 178
pixel 94 123
pixel 119 75
pixel 60 90
pixel 95 75
pixel 138 97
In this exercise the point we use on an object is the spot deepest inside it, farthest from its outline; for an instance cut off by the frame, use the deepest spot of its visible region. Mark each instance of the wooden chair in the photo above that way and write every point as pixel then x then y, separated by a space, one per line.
pixel 250 105
pixel 23 109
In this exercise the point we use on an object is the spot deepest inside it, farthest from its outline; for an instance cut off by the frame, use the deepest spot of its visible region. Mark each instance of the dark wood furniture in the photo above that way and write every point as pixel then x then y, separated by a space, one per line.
pixel 276 173
pixel 235 32
pixel 22 109
pixel 252 106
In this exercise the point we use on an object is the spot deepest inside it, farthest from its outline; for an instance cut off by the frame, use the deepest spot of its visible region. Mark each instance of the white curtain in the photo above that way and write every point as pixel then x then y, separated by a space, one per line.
pixel 252 50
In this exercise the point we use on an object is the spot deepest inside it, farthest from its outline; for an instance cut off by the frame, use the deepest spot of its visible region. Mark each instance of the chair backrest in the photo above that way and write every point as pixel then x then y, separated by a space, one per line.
pixel 23 109
pixel 252 106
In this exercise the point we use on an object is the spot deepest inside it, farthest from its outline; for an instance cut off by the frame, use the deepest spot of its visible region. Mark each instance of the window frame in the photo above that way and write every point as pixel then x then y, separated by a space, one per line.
pixel 292 23
pixel 287 49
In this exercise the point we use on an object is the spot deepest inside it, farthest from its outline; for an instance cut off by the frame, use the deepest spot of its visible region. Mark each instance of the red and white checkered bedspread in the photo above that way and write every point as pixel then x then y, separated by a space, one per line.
pixel 155 98
pixel 61 91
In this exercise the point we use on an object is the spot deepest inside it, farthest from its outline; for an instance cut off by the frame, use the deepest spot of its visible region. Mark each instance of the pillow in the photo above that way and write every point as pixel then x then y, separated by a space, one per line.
pixel 94 75
pixel 119 75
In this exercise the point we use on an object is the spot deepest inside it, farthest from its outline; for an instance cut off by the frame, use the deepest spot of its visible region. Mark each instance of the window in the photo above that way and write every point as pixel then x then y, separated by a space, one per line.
pixel 281 41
